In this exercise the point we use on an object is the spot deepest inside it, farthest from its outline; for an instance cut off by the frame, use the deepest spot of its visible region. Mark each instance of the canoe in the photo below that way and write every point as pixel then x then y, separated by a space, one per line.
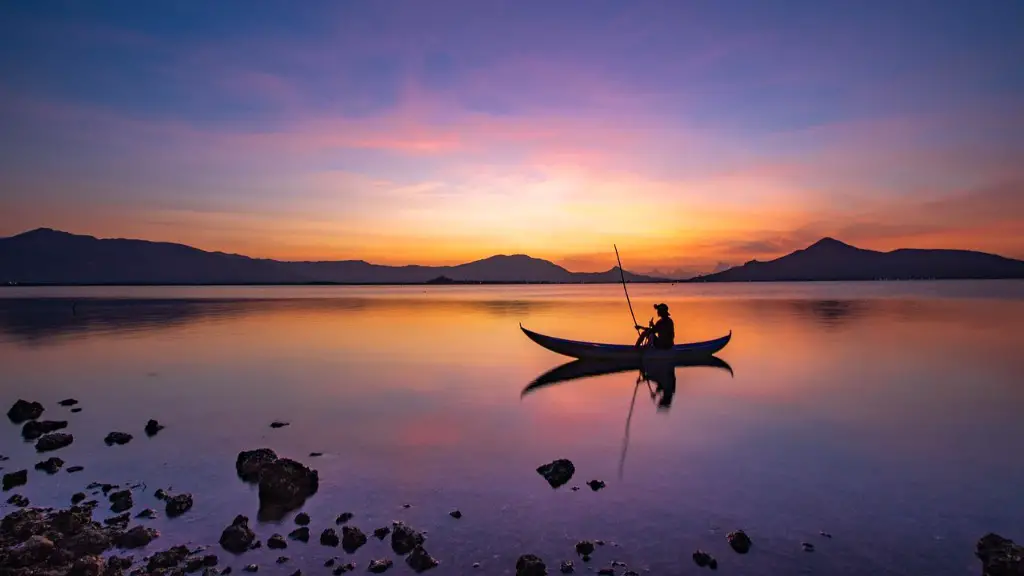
pixel 596 351
pixel 580 369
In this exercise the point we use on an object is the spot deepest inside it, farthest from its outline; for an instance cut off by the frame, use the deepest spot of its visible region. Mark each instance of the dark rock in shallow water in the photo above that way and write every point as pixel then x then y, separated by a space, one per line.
pixel 299 534
pixel 120 521
pixel 54 441
pixel 15 479
pixel 606 572
pixel 282 559
pixel 315 454
pixel 530 565
pixel 18 500
pixel 277 542
pixel 87 566
pixel 137 537
pixel 567 567
pixel 825 534
pixel 329 538
pixel 51 465
pixel 147 514
pixel 455 514
pixel 302 519
pixel 344 568
pixel 404 539
pixel 76 410
pixel 167 559
pixel 343 518
pixel 119 438
pixel 595 485
pixel 74 469
pixel 68 402
pixel 379 566
pixel 121 501
pixel 249 463
pixel 160 494
pixel 278 424
pixel 739 541
pixel 225 571
pixel 352 538
pixel 1000 556
pixel 178 505
pixel 77 497
pixel 584 547
pixel 807 546
pixel 420 561
pixel 702 558
pixel 284 486
pixel 33 429
pixel 152 427
pixel 558 472
pixel 117 564
pixel 382 533
pixel 23 410
pixel 251 568
pixel 238 537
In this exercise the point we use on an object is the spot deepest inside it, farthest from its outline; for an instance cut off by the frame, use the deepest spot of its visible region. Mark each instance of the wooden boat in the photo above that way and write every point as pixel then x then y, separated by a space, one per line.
pixel 596 351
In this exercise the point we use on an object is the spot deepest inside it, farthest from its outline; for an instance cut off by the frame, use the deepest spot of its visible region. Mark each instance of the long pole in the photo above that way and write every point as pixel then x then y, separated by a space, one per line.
pixel 622 275
pixel 625 438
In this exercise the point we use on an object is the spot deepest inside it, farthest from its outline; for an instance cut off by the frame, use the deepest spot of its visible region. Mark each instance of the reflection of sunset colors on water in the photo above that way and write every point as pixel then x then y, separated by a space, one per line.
pixel 877 418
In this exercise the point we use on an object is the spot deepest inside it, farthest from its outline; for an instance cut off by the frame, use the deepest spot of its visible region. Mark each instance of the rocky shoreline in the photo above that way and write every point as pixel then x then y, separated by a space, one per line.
pixel 37 541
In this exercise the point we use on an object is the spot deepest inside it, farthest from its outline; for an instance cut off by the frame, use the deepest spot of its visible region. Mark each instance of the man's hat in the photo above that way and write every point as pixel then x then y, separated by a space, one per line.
pixel 661 306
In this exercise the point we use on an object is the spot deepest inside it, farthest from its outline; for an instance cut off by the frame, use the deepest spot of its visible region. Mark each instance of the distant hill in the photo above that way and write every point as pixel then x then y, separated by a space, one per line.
pixel 46 256
pixel 830 259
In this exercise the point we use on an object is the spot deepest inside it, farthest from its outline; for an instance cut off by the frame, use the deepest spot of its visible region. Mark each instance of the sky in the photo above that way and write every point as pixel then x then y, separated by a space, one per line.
pixel 690 134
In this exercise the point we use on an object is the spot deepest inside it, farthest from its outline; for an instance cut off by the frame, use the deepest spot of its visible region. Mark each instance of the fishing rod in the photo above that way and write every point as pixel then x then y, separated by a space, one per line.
pixel 622 275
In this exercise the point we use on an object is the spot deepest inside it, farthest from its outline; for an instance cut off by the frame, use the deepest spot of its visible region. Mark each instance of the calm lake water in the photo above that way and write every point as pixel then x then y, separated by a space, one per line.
pixel 887 414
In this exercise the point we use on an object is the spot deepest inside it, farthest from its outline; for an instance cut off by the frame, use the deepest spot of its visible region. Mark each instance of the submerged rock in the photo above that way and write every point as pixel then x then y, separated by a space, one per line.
pixel 152 427
pixel 76 410
pixel 74 469
pixel 137 537
pixel 237 537
pixel 404 539
pixel 249 463
pixel 315 454
pixel 703 559
pixel 584 547
pixel 278 424
pixel 15 479
pixel 341 569
pixel 18 500
pixel 1000 556
pixel 420 561
pixel 302 519
pixel 606 572
pixel 167 559
pixel 330 538
pixel 160 494
pixel 595 485
pixel 282 559
pixel 54 441
pixel 455 514
pixel 147 514
pixel 343 518
pixel 277 542
pixel 33 429
pixel 567 567
pixel 557 472
pixel 284 486
pixel 119 438
pixel 51 465
pixel 739 541
pixel 379 566
pixel 121 501
pixel 352 538
pixel 23 410
pixel 530 565
pixel 68 402
pixel 382 533
pixel 178 505
pixel 119 521
pixel 251 568
pixel 77 497
pixel 299 534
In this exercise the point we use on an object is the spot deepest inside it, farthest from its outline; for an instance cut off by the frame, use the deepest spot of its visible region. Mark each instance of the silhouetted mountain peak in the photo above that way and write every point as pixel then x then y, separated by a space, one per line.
pixel 829 243
pixel 44 233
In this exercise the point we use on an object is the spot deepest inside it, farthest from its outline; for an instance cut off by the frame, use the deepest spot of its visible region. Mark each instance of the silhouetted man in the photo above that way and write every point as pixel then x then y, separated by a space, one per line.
pixel 661 334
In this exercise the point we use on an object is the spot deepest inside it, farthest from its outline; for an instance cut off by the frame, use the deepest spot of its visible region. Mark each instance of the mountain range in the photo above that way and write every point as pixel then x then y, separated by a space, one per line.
pixel 46 256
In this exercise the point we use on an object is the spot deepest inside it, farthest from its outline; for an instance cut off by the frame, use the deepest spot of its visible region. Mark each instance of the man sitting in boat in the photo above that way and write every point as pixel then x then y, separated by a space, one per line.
pixel 660 334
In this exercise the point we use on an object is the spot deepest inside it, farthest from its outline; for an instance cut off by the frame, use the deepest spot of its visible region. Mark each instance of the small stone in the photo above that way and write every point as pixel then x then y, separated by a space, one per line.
pixel 167 559
pixel 15 479
pixel 476 564
pixel 599 542
pixel 76 410
pixel 575 488
pixel 300 534
pixel 147 514
pixel 825 534
pixel 121 520
pixel 23 410
pixel 77 497
pixel 606 572
pixel 404 539
pixel 210 560
pixel 121 501
pixel 54 441
pixel 586 558
pixel 329 538
pixel 739 541
pixel 315 454
pixel 226 571
pixel 277 542
pixel 302 519
pixel 808 547
pixel 152 427
pixel 406 505
pixel 18 500
pixel 68 402
pixel 249 463
pixel 530 565
pixel 584 547
pixel 237 537
pixel 455 514
pixel 567 567
pixel 379 566
pixel 382 533
pixel 282 559
pixel 278 424
pixel 341 569
pixel 557 472
pixel 160 494
pixel 74 469
pixel 51 465
pixel 297 573
pixel 178 505
pixel 119 438
pixel 251 568
pixel 420 561
pixel 256 545
pixel 352 538
pixel 343 518
pixel 35 428
pixel 329 562
pixel 595 485
pixel 702 558
pixel 999 556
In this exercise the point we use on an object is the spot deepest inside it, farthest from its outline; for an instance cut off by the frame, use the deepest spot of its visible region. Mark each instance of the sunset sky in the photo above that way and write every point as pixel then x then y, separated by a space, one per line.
pixel 432 132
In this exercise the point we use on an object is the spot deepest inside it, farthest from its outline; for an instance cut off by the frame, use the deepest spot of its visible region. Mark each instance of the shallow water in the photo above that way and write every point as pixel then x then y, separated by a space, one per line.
pixel 887 414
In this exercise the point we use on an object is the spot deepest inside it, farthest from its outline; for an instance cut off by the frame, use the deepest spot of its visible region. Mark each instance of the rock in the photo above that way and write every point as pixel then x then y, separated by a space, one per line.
pixel 193 565
pixel 302 519
pixel 137 537
pixel 530 565
pixel 329 562
pixel 739 541
pixel 167 559
pixel 117 564
pixel 160 494
pixel 351 538
pixel 77 497
pixel 54 441
pixel 277 542
pixel 702 558
pixel 76 410
pixel 343 518
pixel 15 479
pixel 87 566
pixel 68 402
pixel 178 505
pixel 344 568
pixel 825 534
pixel 284 486
pixel 51 465
pixel 1000 556
pixel 33 551
pixel 575 488
pixel 599 542
pixel 23 410
pixel 225 571
pixel 567 567
pixel 299 534
pixel 152 427
pixel 121 501
pixel 382 533
pixel 256 545
pixel 558 472
pixel 237 537
pixel 584 547
pixel 120 521
pixel 18 500
pixel 278 424
pixel 476 564
pixel 249 463
pixel 147 514
pixel 406 505
pixel 807 546
pixel 586 558
pixel 282 559
pixel 455 514
pixel 119 438
pixel 330 538
pixel 379 566
pixel 420 561
pixel 33 429
pixel 251 568
pixel 595 485
pixel 315 454
pixel 297 573
pixel 606 572
pixel 404 539
pixel 74 469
